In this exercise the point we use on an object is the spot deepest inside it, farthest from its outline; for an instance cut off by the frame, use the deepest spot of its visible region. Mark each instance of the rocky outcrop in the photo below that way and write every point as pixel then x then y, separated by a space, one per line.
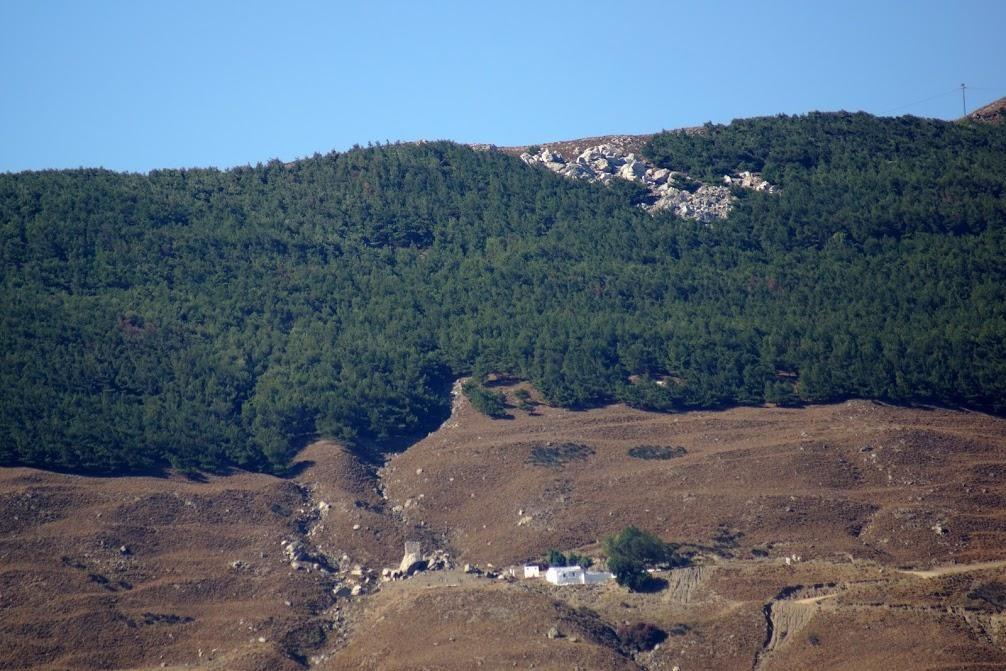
pixel 670 191
pixel 301 557
pixel 749 180
pixel 414 561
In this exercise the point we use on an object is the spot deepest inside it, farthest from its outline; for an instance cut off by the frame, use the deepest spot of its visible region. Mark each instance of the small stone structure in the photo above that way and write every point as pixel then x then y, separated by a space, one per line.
pixel 413 553
pixel 534 570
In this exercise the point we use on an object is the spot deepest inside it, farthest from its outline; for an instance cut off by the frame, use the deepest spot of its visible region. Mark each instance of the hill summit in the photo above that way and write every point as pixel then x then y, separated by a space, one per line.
pixel 206 319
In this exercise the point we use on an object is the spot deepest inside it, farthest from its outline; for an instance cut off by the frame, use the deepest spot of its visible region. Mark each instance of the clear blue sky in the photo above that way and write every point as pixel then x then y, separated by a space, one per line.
pixel 138 84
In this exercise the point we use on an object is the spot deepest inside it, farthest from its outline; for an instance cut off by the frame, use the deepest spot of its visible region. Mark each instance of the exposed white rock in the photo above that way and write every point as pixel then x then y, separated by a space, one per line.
pixel 632 169
pixel 749 180
pixel 548 156
pixel 412 559
pixel 605 162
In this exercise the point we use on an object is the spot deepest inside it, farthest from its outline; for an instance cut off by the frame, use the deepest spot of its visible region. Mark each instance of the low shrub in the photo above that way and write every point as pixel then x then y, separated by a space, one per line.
pixel 559 454
pixel 656 452
pixel 641 636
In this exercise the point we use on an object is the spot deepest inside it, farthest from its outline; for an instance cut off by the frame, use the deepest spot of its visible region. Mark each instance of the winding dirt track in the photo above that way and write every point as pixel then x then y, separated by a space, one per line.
pixel 956 569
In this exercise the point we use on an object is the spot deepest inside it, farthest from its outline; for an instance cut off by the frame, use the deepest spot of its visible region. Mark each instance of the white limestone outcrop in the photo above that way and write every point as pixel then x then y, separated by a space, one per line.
pixel 672 191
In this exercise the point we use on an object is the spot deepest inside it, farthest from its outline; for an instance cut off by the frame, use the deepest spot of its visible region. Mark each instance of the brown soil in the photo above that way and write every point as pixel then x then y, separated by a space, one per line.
pixel 855 479
pixel 856 495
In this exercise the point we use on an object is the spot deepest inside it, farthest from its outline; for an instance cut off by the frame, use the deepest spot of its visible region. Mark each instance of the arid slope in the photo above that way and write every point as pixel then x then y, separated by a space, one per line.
pixel 854 535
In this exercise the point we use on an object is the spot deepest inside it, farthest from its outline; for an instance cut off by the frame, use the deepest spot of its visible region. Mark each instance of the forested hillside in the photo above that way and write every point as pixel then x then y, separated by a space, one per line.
pixel 205 318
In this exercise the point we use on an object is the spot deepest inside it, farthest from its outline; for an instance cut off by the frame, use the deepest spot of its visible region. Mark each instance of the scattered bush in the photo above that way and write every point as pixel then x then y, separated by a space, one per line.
pixel 990 596
pixel 556 558
pixel 656 452
pixel 524 401
pixel 559 454
pixel 686 183
pixel 679 629
pixel 489 403
pixel 641 636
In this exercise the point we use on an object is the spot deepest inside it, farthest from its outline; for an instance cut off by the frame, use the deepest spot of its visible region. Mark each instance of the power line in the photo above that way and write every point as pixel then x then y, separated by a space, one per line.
pixel 924 100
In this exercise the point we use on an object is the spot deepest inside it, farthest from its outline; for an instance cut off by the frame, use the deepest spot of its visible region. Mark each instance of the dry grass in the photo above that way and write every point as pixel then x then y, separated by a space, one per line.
pixel 859 491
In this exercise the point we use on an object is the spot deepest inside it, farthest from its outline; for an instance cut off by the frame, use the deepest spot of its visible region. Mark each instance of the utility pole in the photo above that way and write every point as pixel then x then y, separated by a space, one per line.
pixel 964 100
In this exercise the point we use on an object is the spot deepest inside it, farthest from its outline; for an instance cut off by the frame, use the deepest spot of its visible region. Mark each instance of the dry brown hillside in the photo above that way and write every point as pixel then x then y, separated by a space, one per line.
pixel 994 112
pixel 855 535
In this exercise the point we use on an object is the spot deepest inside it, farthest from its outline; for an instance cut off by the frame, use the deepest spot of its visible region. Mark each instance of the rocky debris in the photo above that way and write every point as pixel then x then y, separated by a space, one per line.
pixel 439 560
pixel 706 203
pixel 554 633
pixel 670 191
pixel 303 559
pixel 749 180
pixel 413 561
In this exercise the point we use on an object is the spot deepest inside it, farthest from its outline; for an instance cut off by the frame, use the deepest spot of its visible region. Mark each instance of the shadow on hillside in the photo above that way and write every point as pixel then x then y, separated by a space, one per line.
pixel 651 585
pixel 297 468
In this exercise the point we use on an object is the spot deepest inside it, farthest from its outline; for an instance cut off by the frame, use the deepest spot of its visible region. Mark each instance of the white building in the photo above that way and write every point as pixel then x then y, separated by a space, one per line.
pixel 575 575
pixel 596 577
pixel 565 575
pixel 532 570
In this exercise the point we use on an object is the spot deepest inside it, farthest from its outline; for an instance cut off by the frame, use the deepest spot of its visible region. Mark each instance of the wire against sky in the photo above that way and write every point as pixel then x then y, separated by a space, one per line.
pixel 956 89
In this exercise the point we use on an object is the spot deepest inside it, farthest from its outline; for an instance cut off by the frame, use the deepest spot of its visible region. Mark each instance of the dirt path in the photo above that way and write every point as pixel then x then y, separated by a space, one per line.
pixel 815 599
pixel 954 569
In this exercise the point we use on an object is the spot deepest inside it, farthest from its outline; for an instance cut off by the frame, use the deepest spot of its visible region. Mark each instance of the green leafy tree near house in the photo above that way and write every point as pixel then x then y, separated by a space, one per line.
pixel 632 551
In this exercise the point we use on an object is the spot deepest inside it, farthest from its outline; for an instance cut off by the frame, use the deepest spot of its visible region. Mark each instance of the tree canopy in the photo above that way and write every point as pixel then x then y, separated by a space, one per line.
pixel 631 551
pixel 205 318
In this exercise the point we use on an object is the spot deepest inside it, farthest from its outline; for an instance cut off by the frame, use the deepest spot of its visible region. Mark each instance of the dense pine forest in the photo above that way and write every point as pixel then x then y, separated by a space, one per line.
pixel 204 318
